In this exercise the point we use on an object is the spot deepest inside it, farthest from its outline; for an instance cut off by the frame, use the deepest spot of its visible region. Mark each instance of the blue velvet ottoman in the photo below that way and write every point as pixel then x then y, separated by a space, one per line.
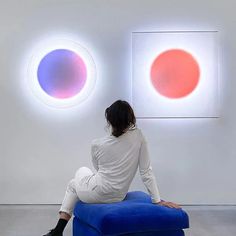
pixel 136 215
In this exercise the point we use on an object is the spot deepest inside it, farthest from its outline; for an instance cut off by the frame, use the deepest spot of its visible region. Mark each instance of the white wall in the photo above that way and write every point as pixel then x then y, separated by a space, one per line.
pixel 194 159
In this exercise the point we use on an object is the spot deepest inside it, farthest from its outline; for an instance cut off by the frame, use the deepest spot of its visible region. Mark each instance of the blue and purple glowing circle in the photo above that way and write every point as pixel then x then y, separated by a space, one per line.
pixel 62 73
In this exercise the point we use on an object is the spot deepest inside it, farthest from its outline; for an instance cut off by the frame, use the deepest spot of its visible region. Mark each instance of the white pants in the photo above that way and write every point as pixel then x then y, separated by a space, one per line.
pixel 80 188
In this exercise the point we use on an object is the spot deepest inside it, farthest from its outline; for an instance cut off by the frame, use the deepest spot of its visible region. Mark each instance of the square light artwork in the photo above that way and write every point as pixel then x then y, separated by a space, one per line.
pixel 175 74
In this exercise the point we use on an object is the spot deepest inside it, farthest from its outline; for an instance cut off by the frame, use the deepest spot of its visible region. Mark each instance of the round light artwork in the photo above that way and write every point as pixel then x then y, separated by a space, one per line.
pixel 175 73
pixel 62 74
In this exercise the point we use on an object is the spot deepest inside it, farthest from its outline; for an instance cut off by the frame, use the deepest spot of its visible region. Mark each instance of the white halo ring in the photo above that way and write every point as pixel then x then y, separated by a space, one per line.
pixel 40 52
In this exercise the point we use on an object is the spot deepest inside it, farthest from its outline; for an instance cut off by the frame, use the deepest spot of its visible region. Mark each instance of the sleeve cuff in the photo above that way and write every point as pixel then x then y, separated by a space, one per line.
pixel 156 200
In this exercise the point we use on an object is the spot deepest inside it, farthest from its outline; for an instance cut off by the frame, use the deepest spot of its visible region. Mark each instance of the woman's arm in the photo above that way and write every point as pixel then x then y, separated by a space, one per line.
pixel 148 177
pixel 146 173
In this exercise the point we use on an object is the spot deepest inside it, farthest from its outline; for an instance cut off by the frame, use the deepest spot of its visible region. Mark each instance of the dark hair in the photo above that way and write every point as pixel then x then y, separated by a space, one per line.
pixel 120 116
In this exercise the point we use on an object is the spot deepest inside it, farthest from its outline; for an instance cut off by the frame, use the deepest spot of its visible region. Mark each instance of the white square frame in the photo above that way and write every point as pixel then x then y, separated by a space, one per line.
pixel 202 102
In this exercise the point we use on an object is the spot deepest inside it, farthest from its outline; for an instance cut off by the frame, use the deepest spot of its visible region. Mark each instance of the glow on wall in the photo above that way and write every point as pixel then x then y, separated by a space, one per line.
pixel 175 74
pixel 61 73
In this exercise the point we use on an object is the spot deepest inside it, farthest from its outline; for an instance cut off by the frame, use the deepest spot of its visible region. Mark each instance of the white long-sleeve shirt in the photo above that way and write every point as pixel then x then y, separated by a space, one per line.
pixel 117 159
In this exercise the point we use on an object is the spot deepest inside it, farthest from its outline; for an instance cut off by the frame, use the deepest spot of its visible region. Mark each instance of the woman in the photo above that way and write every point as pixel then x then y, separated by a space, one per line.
pixel 116 158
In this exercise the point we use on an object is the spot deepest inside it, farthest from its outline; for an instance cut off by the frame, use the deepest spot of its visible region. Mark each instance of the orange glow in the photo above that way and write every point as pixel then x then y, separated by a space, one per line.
pixel 175 73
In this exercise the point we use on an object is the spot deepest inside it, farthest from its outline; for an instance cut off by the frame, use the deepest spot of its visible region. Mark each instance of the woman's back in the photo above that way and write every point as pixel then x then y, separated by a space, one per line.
pixel 116 160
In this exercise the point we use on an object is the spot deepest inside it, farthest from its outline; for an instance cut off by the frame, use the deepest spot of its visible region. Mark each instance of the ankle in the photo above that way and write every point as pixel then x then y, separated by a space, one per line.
pixel 64 216
pixel 61 224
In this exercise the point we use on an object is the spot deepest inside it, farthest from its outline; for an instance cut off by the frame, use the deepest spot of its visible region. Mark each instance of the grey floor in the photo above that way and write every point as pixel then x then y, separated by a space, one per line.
pixel 35 220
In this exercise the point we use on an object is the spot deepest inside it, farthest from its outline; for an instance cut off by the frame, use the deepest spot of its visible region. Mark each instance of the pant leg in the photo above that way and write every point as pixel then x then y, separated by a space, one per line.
pixel 70 198
pixel 85 183
pixel 82 175
pixel 78 188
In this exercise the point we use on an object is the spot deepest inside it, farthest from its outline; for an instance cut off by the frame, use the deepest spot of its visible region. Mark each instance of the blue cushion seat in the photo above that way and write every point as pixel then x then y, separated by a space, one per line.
pixel 135 215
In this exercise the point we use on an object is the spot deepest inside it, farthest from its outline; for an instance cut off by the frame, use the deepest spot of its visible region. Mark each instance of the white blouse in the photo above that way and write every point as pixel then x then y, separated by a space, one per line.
pixel 117 159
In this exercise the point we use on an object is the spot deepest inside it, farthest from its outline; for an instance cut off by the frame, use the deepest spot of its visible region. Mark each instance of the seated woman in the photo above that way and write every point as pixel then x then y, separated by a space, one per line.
pixel 116 157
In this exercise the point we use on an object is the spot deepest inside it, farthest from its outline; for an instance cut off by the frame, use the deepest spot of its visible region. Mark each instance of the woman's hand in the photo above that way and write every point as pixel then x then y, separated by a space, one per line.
pixel 169 204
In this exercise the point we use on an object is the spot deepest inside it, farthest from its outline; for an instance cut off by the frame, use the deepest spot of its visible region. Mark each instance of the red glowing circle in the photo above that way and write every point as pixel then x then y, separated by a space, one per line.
pixel 175 73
